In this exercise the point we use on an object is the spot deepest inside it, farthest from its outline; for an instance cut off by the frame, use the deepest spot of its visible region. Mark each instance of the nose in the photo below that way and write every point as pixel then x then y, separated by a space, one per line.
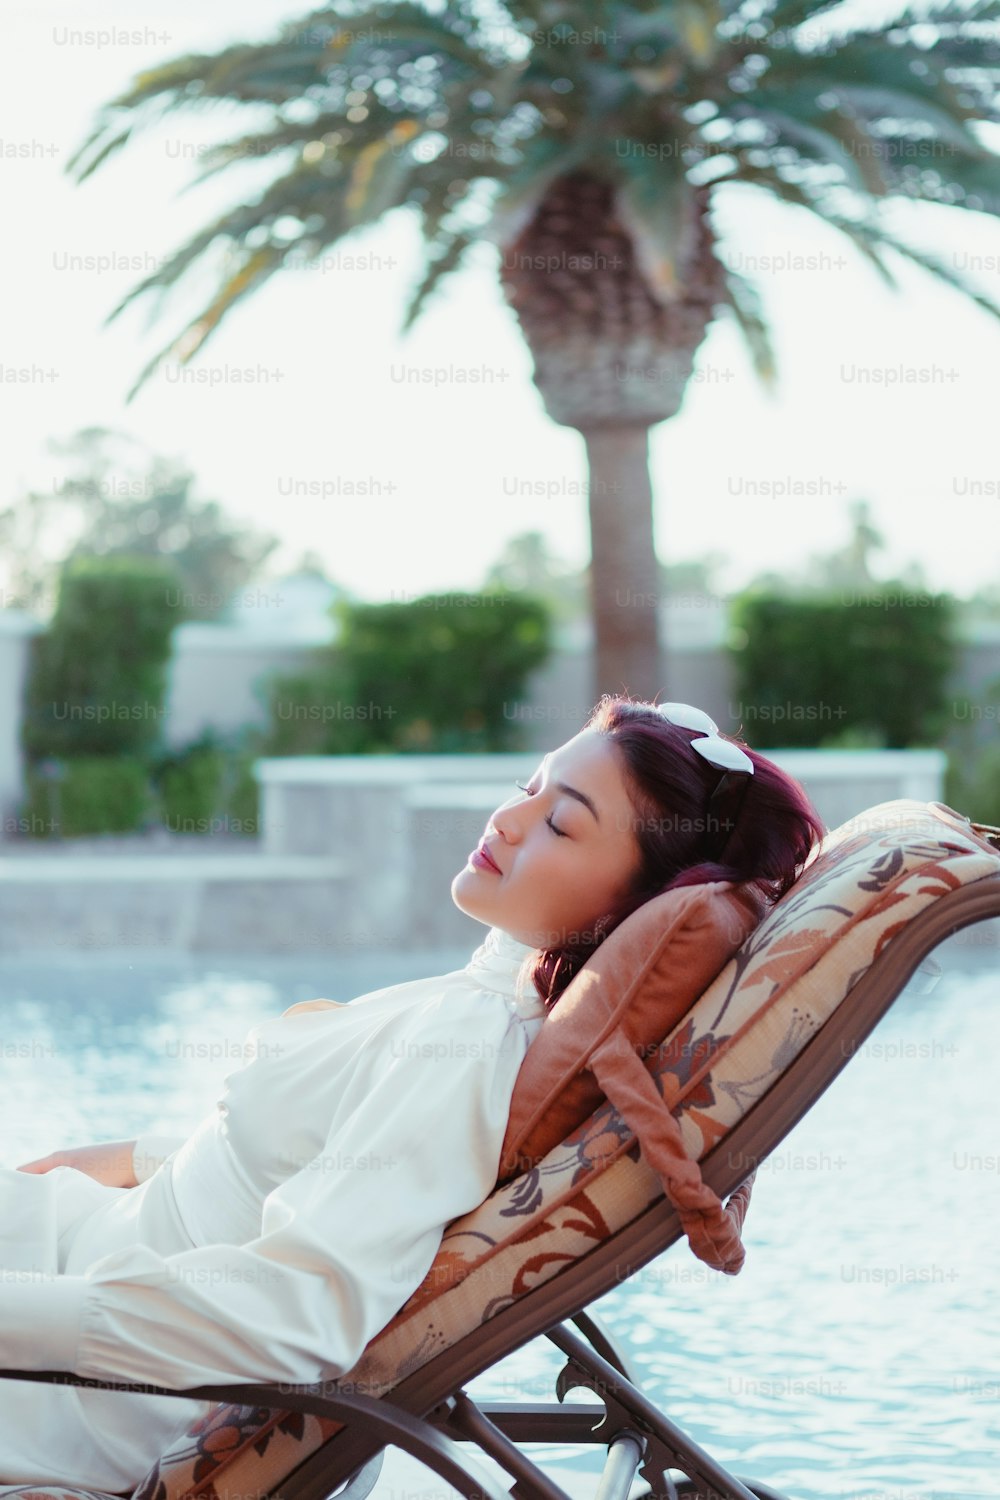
pixel 506 822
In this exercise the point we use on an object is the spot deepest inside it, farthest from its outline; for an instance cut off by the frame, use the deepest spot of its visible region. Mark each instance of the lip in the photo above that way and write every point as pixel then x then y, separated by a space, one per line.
pixel 483 860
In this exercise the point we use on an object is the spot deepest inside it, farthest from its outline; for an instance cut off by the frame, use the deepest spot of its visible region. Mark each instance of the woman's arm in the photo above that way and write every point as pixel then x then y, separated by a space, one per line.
pixel 111 1162
pixel 115 1163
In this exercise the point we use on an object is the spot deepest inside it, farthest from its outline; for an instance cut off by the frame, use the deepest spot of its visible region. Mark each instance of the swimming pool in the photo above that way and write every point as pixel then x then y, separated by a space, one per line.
pixel 857 1355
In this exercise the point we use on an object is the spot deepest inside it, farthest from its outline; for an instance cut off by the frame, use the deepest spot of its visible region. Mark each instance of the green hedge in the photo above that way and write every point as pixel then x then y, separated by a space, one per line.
pixel 95 712
pixel 204 789
pixel 972 781
pixel 207 787
pixel 97 675
pixel 88 795
pixel 440 674
pixel 827 671
pixel 972 785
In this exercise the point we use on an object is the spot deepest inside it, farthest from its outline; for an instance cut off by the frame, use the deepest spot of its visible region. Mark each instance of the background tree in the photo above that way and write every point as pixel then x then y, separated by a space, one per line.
pixel 526 565
pixel 589 144
pixel 120 500
pixel 846 567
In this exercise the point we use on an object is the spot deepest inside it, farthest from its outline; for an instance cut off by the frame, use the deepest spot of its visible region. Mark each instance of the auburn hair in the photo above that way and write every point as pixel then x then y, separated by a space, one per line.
pixel 762 834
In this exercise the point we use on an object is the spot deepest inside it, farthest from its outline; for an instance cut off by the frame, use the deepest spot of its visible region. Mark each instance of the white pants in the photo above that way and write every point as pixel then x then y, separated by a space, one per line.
pixel 105 1440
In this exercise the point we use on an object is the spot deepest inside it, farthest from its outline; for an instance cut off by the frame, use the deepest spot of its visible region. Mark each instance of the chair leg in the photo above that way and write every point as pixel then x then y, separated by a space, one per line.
pixel 363 1480
pixel 628 1410
pixel 607 1347
pixel 638 1436
pixel 688 1489
pixel 465 1420
pixel 625 1455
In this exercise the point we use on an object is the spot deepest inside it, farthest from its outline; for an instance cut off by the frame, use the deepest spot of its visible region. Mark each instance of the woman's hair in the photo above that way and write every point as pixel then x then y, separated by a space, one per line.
pixel 760 834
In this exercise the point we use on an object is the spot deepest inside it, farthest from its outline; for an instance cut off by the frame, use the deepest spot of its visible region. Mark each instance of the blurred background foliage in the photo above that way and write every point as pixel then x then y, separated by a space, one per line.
pixel 98 674
pixel 437 674
pixel 118 499
pixel 868 676
pixel 434 675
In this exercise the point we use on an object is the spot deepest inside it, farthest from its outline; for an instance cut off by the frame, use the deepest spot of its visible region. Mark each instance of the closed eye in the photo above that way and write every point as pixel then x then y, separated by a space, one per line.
pixel 548 817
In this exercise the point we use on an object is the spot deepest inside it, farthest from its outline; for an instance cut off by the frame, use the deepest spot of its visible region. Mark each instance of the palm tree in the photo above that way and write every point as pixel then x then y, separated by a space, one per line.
pixel 587 141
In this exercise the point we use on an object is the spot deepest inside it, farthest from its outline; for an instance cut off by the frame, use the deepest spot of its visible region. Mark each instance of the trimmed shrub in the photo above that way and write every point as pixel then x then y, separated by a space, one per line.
pixel 208 787
pixel 818 671
pixel 98 674
pixel 973 787
pixel 88 795
pixel 243 803
pixel 435 675
pixel 972 780
pixel 190 788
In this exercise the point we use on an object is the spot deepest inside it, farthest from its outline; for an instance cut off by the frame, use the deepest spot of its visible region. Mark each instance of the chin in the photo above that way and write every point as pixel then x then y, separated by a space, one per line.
pixel 462 900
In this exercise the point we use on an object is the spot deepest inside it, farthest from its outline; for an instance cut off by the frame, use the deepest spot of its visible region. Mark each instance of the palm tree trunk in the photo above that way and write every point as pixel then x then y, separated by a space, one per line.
pixel 611 359
pixel 624 577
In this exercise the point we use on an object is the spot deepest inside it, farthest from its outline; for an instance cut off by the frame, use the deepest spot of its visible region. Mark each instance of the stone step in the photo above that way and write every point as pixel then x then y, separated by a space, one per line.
pixel 249 902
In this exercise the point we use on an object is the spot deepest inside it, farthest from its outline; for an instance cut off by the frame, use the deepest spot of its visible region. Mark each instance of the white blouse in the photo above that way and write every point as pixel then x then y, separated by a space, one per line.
pixel 282 1235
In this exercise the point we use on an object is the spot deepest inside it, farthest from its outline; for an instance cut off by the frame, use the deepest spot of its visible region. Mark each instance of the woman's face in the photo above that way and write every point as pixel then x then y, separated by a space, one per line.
pixel 562 864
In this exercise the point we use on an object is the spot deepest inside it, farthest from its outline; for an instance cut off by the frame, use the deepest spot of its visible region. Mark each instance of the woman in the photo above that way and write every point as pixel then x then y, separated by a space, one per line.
pixel 275 1241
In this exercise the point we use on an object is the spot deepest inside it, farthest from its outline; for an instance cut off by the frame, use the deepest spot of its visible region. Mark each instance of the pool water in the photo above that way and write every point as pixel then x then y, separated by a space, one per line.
pixel 856 1356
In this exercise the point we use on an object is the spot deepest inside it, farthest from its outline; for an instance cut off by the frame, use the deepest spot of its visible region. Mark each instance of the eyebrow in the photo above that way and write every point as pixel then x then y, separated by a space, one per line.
pixel 571 791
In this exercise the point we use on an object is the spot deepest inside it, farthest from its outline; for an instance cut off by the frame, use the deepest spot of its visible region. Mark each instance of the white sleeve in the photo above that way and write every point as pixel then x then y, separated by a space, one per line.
pixel 150 1152
pixel 343 1244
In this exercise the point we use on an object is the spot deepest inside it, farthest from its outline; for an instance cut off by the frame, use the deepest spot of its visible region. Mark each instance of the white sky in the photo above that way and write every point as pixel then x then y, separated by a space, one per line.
pixel 918 452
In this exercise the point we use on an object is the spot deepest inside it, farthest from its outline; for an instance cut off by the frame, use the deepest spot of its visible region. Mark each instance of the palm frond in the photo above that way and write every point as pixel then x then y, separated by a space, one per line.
pixel 836 125
pixel 109 146
pixel 820 207
pixel 814 142
pixel 978 182
pixel 787 14
pixel 657 208
pixel 872 101
pixel 281 137
pixel 439 266
pixel 745 170
pixel 381 171
pixel 256 269
pixel 744 301
pixel 899 81
pixel 866 241
pixel 944 12
pixel 299 193
pixel 938 268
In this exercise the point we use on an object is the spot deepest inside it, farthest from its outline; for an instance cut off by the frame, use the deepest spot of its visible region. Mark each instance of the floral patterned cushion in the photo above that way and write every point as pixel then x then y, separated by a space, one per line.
pixel 231 1441
pixel 871 877
pixel 49 1492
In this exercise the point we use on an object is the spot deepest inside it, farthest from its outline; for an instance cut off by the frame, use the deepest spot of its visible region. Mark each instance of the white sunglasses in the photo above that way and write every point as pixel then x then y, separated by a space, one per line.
pixel 717 751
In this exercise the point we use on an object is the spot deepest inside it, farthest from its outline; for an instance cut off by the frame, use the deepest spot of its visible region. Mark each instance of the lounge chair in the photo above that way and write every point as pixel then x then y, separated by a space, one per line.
pixel 736 1072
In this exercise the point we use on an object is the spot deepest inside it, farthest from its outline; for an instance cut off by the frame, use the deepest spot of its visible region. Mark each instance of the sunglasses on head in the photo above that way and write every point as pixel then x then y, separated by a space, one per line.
pixel 729 758
pixel 714 749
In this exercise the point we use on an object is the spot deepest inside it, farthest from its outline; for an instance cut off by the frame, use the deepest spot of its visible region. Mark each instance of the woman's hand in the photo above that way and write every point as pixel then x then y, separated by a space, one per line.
pixel 110 1162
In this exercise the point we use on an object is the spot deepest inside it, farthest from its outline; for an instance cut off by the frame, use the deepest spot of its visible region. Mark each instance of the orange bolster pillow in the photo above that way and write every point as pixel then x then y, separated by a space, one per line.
pixel 642 980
